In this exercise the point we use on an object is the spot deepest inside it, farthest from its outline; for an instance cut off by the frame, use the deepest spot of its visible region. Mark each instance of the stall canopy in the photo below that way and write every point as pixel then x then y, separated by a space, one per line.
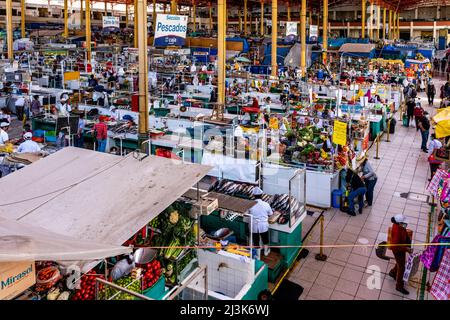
pixel 442 119
pixel 22 242
pixel 292 59
pixel 94 196
pixel 357 49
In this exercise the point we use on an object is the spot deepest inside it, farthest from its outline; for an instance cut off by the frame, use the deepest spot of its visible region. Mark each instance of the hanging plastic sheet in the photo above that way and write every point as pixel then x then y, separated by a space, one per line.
pixel 436 185
pixel 412 265
pixel 440 288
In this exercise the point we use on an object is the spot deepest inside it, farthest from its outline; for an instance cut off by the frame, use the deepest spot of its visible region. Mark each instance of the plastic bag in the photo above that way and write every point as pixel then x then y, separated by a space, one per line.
pixel 122 268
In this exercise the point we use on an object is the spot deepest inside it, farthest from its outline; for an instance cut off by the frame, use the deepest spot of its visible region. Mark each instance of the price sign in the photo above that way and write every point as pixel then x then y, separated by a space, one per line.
pixel 340 133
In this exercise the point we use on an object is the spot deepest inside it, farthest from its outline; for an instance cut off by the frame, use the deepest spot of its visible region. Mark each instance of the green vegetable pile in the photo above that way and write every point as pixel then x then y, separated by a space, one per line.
pixel 125 282
pixel 176 232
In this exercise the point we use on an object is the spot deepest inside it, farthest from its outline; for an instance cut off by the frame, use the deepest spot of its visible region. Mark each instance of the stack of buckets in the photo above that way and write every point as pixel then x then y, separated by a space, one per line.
pixel 40 135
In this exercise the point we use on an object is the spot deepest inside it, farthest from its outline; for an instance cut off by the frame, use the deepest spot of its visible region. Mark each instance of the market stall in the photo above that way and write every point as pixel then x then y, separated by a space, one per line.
pixel 69 171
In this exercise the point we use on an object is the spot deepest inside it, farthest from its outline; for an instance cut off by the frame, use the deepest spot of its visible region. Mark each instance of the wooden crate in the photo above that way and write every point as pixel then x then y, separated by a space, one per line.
pixel 206 206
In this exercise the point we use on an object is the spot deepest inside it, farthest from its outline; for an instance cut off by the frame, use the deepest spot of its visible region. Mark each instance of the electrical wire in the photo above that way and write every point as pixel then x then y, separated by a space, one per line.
pixel 355 245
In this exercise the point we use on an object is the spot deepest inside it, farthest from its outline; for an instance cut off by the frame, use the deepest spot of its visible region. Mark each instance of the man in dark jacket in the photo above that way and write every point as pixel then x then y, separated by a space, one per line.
pixel 424 126
pixel 357 189
pixel 399 241
pixel 410 111
pixel 431 92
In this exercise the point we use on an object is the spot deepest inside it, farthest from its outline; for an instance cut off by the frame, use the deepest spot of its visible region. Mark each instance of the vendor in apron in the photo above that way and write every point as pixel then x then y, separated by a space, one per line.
pixel 260 212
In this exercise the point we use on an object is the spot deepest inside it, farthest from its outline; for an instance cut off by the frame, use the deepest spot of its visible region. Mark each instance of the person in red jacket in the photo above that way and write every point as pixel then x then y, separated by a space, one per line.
pixel 101 134
pixel 399 237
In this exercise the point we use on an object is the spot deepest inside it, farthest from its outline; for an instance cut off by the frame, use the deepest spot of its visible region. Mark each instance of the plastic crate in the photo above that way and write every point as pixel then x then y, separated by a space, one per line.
pixel 50 138
pixel 157 290
pixel 38 133
pixel 50 134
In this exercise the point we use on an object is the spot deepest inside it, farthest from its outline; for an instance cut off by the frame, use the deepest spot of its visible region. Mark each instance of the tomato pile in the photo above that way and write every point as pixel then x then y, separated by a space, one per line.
pixel 152 272
pixel 87 287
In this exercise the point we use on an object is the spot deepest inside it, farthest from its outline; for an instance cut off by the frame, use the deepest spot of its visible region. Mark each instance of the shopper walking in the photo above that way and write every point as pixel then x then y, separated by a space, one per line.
pixel 435 144
pixel 35 106
pixel 79 138
pixel 410 111
pixel 424 126
pixel 418 113
pixel 399 239
pixel 370 180
pixel 20 107
pixel 431 92
pixel 101 134
pixel 357 189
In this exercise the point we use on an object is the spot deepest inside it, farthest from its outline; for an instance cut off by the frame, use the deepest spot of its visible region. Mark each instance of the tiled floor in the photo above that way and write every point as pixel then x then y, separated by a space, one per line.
pixel 348 273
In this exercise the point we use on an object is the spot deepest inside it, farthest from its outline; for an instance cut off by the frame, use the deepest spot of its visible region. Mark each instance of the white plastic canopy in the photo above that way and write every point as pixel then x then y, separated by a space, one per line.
pixel 93 197
pixel 22 242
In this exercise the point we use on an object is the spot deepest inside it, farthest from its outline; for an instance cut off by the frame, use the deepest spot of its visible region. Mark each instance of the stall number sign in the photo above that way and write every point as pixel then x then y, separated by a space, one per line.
pixel 200 53
pixel 291 29
pixel 313 32
pixel 340 133
pixel 170 30
pixel 111 22
pixel 16 277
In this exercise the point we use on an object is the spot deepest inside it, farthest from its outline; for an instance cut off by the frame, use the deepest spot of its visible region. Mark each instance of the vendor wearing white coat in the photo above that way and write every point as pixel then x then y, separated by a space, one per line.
pixel 28 145
pixel 260 212
pixel 4 137
pixel 63 107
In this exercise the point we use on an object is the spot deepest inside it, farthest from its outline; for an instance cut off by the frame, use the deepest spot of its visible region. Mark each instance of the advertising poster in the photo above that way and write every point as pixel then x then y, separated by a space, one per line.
pixel 291 28
pixel 170 30
pixel 111 22
pixel 313 33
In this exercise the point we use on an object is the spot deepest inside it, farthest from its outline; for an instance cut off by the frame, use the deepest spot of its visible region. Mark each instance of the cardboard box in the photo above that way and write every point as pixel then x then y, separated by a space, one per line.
pixel 207 205
pixel 15 278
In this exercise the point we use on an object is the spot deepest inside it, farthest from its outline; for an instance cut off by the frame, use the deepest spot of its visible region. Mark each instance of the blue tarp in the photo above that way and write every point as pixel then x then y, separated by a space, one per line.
pixel 282 52
pixel 338 42
pixel 427 53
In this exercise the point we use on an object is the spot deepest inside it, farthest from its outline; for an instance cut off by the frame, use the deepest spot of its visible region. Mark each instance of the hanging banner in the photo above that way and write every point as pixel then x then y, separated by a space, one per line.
pixel 111 22
pixel 15 278
pixel 340 133
pixel 313 32
pixel 291 28
pixel 170 30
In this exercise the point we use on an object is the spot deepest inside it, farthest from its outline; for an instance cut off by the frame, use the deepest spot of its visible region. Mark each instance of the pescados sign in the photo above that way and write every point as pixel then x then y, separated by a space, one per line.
pixel 170 30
